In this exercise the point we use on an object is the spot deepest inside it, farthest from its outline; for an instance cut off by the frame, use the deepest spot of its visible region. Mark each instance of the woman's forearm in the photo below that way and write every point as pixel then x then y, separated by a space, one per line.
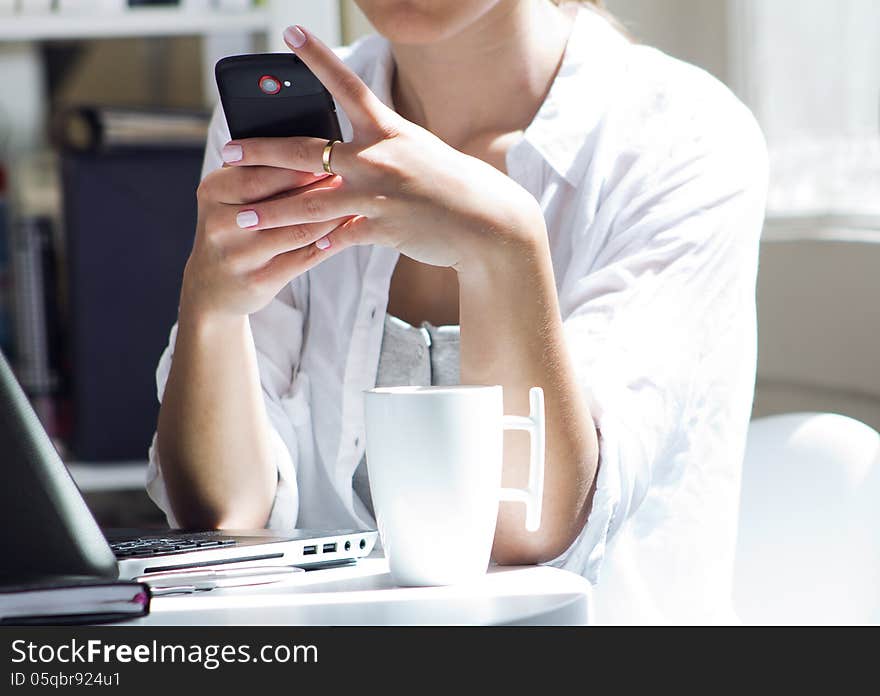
pixel 511 334
pixel 213 432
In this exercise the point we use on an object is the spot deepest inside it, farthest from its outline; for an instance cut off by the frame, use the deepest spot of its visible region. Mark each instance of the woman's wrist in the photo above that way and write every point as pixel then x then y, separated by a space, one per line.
pixel 199 309
pixel 201 319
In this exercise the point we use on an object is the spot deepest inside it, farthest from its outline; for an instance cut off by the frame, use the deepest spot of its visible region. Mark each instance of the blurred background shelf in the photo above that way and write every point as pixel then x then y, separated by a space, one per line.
pixel 173 45
pixel 150 58
pixel 108 476
pixel 114 492
pixel 146 21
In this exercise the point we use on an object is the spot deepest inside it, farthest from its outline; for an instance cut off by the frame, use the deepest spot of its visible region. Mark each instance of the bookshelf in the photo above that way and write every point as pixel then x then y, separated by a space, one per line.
pixel 223 32
pixel 270 18
pixel 24 103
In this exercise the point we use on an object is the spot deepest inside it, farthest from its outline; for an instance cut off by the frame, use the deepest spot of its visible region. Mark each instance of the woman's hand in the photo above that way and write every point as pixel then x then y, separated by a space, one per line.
pixel 406 188
pixel 236 267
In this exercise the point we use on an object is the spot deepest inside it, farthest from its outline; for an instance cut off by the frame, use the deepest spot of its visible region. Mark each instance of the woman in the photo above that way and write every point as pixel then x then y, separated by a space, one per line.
pixel 586 210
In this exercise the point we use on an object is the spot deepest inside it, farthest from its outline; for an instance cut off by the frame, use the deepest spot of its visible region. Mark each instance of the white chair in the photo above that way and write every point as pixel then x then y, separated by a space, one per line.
pixel 809 532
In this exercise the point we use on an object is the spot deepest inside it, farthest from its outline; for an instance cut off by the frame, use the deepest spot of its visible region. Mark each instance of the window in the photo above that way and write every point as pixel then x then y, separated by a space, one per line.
pixel 810 70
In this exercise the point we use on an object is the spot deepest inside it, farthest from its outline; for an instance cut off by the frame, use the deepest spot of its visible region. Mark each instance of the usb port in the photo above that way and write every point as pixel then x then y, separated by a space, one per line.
pixel 310 550
pixel 329 548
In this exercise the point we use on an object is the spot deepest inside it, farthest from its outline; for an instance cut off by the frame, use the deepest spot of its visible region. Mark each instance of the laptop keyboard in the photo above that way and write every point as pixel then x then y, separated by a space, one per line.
pixel 155 546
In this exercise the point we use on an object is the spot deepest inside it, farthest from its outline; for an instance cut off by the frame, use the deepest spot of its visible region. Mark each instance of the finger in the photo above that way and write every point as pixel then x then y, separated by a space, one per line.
pixel 314 205
pixel 251 184
pixel 362 107
pixel 282 268
pixel 263 245
pixel 297 153
pixel 359 230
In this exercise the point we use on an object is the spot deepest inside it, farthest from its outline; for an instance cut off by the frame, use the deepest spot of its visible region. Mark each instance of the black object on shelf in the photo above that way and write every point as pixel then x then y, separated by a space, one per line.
pixel 130 217
pixel 92 128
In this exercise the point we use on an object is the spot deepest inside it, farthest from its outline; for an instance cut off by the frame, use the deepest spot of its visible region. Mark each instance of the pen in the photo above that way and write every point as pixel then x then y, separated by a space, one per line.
pixel 189 580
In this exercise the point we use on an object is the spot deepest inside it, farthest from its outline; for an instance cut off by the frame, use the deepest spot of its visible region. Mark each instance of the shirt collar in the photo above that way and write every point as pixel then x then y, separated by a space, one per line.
pixel 578 96
pixel 575 102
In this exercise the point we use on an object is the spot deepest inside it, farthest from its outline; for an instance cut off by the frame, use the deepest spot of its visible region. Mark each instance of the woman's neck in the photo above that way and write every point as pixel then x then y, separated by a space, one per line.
pixel 490 78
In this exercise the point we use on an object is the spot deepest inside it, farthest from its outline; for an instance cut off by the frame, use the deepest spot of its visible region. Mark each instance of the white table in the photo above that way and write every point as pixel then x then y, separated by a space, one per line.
pixel 365 595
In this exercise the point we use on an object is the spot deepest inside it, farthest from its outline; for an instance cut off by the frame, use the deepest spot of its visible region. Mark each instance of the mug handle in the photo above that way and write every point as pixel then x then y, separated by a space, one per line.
pixel 533 495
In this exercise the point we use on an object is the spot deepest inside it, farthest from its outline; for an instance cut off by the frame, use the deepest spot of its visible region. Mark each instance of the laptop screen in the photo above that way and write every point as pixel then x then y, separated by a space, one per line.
pixel 47 527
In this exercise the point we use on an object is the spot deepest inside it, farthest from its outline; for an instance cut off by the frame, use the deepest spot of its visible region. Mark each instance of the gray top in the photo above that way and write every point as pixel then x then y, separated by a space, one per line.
pixel 411 356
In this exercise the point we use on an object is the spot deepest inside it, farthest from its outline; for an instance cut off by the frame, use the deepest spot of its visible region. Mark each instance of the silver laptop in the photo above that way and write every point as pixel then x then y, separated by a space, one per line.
pixel 49 530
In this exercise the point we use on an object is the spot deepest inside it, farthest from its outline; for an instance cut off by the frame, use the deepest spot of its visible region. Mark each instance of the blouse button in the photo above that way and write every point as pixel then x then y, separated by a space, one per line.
pixel 373 313
pixel 357 441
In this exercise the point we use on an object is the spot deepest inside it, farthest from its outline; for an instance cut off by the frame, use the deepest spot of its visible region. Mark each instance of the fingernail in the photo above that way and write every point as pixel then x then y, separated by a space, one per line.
pixel 294 36
pixel 323 243
pixel 231 153
pixel 247 218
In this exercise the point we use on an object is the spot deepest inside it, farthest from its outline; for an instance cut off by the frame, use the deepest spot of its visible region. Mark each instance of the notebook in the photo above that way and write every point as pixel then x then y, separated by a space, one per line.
pixel 72 599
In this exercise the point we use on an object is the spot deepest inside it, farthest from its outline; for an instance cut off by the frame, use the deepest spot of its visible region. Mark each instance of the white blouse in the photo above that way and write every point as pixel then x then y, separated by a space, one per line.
pixel 652 177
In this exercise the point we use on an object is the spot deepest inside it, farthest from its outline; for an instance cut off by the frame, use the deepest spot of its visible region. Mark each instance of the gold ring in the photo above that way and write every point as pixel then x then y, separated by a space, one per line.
pixel 325 157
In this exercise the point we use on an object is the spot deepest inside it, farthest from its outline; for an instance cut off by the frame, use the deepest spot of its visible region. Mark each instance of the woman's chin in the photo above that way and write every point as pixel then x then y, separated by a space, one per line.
pixel 420 23
pixel 411 31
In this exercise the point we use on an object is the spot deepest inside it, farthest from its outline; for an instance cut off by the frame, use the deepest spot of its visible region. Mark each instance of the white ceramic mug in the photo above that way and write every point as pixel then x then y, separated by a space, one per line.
pixel 434 456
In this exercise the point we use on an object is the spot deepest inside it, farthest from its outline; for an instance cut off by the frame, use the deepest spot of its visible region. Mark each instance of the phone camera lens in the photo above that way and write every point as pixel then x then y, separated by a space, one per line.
pixel 270 85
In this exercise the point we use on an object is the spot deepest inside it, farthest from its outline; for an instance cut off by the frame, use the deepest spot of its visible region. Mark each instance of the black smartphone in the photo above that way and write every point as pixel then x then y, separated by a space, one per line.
pixel 273 95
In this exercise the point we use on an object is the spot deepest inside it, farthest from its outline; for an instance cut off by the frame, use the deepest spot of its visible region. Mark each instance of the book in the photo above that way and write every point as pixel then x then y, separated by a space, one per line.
pixel 39 336
pixel 92 128
pixel 35 287
pixel 72 599
pixel 37 314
